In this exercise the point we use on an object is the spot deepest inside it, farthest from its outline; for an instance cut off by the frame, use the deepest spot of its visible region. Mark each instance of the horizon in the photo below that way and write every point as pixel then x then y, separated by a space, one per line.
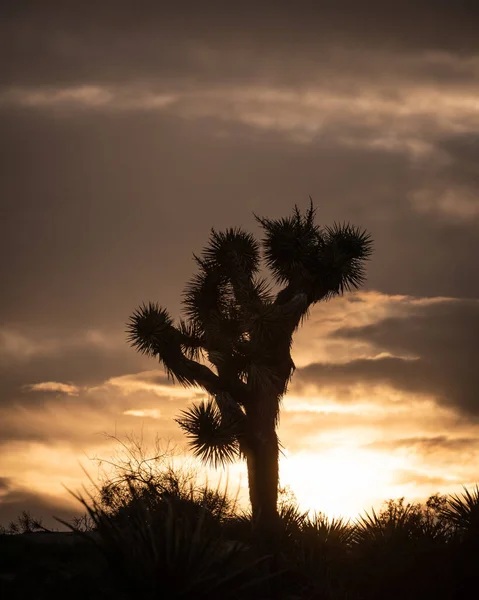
pixel 129 134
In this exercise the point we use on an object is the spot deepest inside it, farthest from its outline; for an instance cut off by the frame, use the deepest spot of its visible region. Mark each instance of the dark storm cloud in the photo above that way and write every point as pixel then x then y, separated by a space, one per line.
pixel 435 351
pixel 57 41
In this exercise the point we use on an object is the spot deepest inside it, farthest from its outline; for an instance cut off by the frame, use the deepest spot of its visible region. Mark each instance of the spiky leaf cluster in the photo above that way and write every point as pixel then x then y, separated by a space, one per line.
pixel 150 329
pixel 320 262
pixel 212 438
pixel 462 511
pixel 232 251
pixel 291 245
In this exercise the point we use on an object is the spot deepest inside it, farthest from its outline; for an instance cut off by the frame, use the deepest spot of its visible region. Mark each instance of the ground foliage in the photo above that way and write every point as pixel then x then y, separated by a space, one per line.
pixel 160 532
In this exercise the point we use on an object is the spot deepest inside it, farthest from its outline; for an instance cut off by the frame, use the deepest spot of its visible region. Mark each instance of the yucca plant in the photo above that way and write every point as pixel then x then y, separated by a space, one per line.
pixel 319 557
pixel 462 512
pixel 395 523
pixel 169 551
pixel 331 531
pixel 245 527
pixel 403 543
pixel 235 342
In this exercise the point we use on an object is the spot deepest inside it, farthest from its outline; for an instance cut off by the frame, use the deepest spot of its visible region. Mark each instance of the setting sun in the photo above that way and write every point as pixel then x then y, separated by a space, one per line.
pixel 341 481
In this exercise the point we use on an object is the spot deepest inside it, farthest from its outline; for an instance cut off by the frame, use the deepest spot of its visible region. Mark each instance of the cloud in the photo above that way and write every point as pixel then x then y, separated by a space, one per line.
pixel 371 117
pixel 149 413
pixel 53 386
pixel 78 416
pixel 86 96
pixel 17 346
pixel 449 185
pixel 40 506
pixel 432 350
pixel 417 480
pixel 70 389
pixel 80 421
pixel 81 360
pixel 377 193
pixel 215 42
pixel 429 445
pixel 156 382
pixel 5 484
pixel 456 202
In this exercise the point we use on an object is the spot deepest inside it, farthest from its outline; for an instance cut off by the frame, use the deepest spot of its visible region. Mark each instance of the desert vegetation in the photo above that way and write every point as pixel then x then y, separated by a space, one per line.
pixel 150 530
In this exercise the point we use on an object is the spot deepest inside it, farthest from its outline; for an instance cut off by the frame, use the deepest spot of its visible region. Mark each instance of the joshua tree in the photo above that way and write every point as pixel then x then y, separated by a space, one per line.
pixel 235 342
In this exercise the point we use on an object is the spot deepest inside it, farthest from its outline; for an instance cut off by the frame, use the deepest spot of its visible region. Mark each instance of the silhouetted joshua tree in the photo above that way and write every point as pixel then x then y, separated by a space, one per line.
pixel 237 325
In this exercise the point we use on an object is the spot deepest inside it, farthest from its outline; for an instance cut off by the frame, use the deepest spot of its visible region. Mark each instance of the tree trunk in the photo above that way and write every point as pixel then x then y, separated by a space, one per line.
pixel 263 475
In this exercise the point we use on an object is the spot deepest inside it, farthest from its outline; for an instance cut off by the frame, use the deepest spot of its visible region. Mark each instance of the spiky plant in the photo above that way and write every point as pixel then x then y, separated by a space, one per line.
pixel 172 550
pixel 331 531
pixel 396 523
pixel 462 511
pixel 235 342
pixel 319 557
pixel 405 543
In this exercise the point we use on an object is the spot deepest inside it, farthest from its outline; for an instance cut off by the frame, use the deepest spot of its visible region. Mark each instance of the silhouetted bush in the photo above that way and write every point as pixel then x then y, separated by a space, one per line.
pixel 159 533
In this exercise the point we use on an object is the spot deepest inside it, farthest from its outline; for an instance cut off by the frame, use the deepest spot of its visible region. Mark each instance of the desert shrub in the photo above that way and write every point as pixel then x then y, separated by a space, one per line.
pixel 152 477
pixel 174 549
pixel 405 543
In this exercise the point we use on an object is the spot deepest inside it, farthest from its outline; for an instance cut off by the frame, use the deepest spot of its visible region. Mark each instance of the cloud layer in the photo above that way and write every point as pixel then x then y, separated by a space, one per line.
pixel 128 134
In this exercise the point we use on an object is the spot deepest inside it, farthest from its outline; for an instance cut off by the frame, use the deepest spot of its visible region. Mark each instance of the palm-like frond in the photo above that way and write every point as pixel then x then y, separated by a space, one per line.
pixel 168 547
pixel 318 262
pixel 226 285
pixel 204 296
pixel 150 329
pixel 290 244
pixel 292 517
pixel 232 251
pixel 462 511
pixel 397 522
pixel 212 439
pixel 328 531
pixel 346 248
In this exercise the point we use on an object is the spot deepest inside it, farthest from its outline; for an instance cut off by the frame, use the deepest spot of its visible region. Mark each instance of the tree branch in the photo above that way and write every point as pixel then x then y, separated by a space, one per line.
pixel 190 372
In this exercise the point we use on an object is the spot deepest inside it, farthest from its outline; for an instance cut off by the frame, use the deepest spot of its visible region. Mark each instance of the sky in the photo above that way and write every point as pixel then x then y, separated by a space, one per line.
pixel 129 129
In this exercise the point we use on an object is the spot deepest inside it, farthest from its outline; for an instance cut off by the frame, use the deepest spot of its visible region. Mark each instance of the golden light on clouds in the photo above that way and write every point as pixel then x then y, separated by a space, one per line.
pixel 152 381
pixel 350 441
pixel 395 118
pixel 152 413
pixel 53 386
